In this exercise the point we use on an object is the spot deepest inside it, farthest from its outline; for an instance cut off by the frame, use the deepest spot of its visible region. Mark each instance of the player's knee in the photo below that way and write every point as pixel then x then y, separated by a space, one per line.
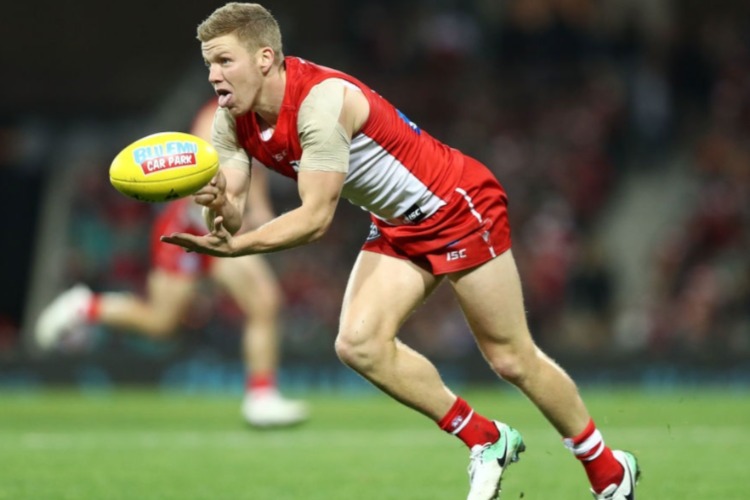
pixel 360 352
pixel 514 365
pixel 349 351
pixel 508 369
pixel 273 300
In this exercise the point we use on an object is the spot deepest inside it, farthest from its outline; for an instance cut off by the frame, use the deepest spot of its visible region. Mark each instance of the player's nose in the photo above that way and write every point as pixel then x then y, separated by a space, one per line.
pixel 214 74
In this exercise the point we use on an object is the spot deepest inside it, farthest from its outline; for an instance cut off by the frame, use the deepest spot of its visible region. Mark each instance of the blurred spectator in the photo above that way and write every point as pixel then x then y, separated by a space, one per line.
pixel 703 266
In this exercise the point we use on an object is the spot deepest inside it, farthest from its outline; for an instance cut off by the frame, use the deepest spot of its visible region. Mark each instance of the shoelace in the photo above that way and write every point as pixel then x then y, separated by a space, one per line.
pixel 475 458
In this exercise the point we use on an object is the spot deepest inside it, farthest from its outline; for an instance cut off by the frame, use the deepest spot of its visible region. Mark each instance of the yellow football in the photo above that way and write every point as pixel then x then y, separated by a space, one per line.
pixel 163 167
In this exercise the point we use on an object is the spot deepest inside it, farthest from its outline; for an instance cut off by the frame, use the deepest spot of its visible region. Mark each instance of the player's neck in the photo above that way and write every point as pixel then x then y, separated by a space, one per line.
pixel 269 104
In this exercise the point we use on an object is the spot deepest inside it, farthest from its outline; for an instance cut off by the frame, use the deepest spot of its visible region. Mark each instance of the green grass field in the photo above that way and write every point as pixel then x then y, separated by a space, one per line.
pixel 149 445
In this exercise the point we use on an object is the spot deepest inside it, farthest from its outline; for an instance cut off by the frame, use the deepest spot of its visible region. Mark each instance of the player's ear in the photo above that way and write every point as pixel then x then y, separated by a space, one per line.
pixel 266 57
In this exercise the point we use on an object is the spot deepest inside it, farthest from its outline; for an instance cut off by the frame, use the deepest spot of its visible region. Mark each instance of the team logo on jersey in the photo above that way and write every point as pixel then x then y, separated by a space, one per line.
pixel 411 124
pixel 374 233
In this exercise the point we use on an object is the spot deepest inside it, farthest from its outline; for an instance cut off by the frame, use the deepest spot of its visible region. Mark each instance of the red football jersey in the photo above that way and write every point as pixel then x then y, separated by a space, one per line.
pixel 414 186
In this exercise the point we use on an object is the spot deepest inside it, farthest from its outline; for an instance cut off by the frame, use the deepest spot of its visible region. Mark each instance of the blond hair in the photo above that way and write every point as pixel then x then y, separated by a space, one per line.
pixel 251 23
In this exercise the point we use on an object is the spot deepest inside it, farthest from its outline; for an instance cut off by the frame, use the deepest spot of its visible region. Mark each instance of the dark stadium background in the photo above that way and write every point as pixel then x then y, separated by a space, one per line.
pixel 619 128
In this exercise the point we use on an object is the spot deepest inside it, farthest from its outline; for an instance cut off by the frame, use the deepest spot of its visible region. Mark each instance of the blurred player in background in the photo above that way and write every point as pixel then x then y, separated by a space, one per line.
pixel 173 282
pixel 437 215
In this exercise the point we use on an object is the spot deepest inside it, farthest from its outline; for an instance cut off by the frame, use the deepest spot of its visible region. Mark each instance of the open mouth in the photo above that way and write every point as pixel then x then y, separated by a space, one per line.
pixel 225 97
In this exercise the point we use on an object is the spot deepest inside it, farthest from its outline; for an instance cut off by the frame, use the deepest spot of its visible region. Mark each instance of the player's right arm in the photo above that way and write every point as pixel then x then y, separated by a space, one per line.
pixel 259 208
pixel 224 197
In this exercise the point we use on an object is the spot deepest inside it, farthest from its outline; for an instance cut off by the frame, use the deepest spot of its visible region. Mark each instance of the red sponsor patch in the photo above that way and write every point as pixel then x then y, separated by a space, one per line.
pixel 159 163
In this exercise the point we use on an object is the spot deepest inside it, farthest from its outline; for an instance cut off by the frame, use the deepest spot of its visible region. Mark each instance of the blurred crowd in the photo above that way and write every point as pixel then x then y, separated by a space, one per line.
pixel 701 283
pixel 562 99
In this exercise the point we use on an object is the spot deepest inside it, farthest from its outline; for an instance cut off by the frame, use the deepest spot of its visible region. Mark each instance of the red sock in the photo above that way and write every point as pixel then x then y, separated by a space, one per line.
pixel 260 382
pixel 470 427
pixel 602 468
pixel 92 311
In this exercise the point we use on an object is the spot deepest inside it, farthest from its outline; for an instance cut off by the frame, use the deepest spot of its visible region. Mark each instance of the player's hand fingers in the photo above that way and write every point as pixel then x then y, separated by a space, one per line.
pixel 206 195
pixel 219 181
pixel 218 226
pixel 216 244
pixel 219 237
pixel 180 239
pixel 205 199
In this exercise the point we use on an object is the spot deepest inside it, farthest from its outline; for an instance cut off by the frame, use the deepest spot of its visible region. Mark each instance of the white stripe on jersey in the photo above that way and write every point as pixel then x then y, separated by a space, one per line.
pixel 470 202
pixel 382 185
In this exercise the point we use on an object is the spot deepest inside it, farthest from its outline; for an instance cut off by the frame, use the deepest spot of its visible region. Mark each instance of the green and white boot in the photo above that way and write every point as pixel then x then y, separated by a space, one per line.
pixel 489 461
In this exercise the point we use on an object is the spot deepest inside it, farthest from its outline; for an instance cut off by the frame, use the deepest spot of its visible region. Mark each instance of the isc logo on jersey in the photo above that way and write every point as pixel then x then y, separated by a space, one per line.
pixel 456 254
pixel 164 156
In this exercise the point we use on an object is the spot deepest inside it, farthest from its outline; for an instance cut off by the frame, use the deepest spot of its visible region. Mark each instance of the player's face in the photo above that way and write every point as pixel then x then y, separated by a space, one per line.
pixel 234 73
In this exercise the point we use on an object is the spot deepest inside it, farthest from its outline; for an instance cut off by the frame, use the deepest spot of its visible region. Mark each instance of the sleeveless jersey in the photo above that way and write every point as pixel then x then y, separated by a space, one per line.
pixel 397 172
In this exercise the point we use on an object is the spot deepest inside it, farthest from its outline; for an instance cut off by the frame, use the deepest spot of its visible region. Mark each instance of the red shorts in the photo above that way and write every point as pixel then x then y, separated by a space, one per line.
pixel 176 218
pixel 469 230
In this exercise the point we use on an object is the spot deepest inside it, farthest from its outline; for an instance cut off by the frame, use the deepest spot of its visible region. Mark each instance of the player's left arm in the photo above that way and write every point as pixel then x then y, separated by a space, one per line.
pixel 226 194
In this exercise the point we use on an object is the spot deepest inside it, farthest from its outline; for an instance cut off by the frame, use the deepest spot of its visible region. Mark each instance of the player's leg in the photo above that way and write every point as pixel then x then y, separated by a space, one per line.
pixel 254 287
pixel 381 294
pixel 491 299
pixel 156 315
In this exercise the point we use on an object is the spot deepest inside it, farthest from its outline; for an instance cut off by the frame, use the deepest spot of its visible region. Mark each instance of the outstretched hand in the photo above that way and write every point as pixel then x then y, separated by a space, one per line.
pixel 217 243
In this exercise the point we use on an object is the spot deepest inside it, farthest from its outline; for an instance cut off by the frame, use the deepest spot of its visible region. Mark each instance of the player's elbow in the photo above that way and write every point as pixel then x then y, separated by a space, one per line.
pixel 319 225
pixel 317 219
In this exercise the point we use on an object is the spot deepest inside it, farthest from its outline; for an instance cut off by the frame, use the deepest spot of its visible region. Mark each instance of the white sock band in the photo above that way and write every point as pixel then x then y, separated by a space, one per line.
pixel 593 442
